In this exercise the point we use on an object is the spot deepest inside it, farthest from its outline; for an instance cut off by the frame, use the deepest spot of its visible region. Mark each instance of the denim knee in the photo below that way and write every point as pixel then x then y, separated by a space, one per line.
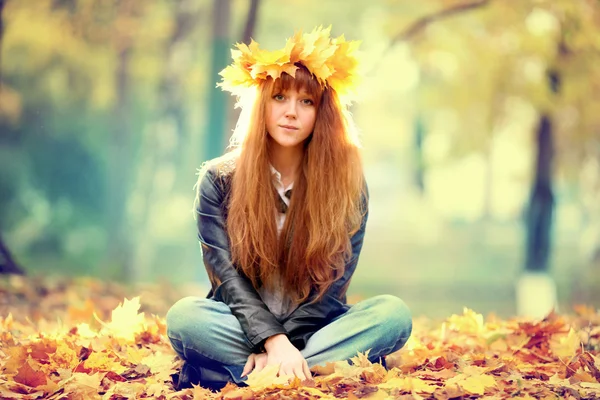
pixel 179 315
pixel 394 319
pixel 184 319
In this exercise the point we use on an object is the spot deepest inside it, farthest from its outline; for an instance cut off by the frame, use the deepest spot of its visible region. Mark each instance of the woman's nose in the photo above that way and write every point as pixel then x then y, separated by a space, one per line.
pixel 291 109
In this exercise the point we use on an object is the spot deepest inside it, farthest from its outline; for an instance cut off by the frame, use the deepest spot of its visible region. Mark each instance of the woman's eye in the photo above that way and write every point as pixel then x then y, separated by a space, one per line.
pixel 278 97
pixel 307 102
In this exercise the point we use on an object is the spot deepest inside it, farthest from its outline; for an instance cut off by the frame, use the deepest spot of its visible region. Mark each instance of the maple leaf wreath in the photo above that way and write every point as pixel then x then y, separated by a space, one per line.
pixel 332 61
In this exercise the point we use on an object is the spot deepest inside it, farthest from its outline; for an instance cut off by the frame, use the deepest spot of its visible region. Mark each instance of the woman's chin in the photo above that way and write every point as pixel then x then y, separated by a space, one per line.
pixel 287 143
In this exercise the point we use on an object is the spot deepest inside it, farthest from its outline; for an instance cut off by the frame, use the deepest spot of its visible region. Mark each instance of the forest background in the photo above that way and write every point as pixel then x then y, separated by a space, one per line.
pixel 480 124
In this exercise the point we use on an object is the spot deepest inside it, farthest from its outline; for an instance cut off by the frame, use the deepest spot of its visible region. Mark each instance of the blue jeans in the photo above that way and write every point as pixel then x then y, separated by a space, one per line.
pixel 198 325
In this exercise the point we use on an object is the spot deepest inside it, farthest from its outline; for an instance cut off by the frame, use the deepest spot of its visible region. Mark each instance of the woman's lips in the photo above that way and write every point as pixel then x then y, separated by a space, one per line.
pixel 288 127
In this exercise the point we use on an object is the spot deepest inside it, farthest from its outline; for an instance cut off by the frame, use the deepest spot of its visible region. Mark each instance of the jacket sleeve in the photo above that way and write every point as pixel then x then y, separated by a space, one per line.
pixel 310 317
pixel 234 289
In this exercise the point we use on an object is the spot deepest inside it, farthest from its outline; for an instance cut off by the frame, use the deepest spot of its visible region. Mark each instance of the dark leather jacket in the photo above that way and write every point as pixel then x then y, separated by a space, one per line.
pixel 235 290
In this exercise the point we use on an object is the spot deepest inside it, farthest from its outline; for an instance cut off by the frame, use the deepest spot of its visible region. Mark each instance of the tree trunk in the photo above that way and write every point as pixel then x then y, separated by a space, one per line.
pixel 251 21
pixel 541 202
pixel 250 27
pixel 2 3
pixel 119 176
pixel 2 27
pixel 7 262
pixel 218 100
pixel 419 165
pixel 156 156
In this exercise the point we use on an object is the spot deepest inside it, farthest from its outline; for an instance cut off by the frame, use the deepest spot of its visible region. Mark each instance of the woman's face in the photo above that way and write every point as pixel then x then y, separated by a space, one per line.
pixel 290 117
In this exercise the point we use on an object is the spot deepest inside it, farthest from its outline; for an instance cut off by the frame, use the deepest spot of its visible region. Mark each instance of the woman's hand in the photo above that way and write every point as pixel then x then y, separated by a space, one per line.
pixel 255 362
pixel 280 351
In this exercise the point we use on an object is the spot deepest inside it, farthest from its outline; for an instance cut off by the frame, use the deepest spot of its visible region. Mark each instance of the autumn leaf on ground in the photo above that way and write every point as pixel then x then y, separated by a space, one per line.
pixel 412 385
pixel 566 347
pixel 160 364
pixel 473 384
pixel 267 377
pixel 83 386
pixel 126 321
pixel 30 377
pixel 468 322
pixel 131 357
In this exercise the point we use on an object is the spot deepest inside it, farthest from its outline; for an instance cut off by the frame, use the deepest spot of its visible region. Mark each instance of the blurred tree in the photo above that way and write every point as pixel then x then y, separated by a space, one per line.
pixel 2 2
pixel 540 210
pixel 7 263
pixel 498 53
pixel 539 54
pixel 121 150
pixel 163 144
pixel 30 170
pixel 449 9
pixel 419 168
pixel 218 100
pixel 67 100
pixel 250 26
pixel 247 35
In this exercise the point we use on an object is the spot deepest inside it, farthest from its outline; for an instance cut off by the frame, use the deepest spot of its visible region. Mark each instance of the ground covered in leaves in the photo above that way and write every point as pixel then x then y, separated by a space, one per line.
pixel 86 339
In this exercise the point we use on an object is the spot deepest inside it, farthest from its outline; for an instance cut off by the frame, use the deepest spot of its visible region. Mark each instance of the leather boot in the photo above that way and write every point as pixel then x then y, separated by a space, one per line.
pixel 209 378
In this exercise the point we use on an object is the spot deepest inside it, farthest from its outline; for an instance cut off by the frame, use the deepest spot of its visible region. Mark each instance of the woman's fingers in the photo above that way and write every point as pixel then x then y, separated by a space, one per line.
pixel 285 370
pixel 249 365
pixel 296 370
pixel 299 373
pixel 306 370
pixel 260 362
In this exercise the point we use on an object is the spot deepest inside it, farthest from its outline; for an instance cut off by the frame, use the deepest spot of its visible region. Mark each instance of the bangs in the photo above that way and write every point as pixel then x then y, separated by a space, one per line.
pixel 304 80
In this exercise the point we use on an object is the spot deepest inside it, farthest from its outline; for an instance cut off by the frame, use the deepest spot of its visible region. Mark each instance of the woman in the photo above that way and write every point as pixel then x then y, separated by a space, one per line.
pixel 281 220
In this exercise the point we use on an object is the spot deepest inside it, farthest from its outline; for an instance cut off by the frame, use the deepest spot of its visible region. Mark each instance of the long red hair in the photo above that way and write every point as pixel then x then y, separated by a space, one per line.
pixel 326 205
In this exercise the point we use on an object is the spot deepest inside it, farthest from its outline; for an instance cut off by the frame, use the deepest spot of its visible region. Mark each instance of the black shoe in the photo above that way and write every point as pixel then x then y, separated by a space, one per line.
pixel 214 380
pixel 383 362
pixel 187 376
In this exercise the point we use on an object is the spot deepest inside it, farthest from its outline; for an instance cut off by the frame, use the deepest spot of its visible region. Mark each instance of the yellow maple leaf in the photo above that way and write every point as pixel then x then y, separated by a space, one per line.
pixel 6 323
pixel 472 382
pixel 468 322
pixel 84 331
pixel 98 362
pixel 267 377
pixel 472 370
pixel 239 394
pixel 235 76
pixel 408 384
pixel 273 70
pixel 344 65
pixel 590 385
pixel 155 389
pixel 558 381
pixel 125 321
pixel 82 386
pixel 565 347
pixel 346 370
pixel 316 392
pixel 135 355
pixel 378 395
pixel 160 364
pixel 129 390
pixel 361 359
pixel 477 384
pixel 64 356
